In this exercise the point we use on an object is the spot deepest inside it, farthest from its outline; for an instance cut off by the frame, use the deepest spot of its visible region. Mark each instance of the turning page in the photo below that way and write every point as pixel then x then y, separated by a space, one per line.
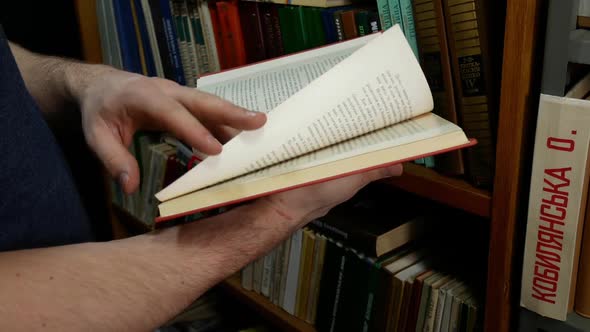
pixel 378 85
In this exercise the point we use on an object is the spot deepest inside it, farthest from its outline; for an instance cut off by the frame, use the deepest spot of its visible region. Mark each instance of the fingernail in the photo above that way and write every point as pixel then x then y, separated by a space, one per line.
pixel 123 178
pixel 395 170
pixel 213 141
pixel 251 113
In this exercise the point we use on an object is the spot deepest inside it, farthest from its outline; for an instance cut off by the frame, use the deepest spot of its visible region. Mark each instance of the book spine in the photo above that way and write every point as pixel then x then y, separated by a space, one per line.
pixel 409 25
pixel 138 38
pixel 246 276
pixel 384 14
pixel 434 59
pixel 172 41
pixel 293 272
pixel 216 32
pixel 349 24
pixel 338 24
pixel 194 26
pixel 277 272
pixel 209 36
pixel 127 37
pixel 149 22
pixel 251 22
pixel 475 87
pixel 558 192
pixel 396 13
pixel 191 43
pixel 582 297
pixel 360 241
pixel 182 42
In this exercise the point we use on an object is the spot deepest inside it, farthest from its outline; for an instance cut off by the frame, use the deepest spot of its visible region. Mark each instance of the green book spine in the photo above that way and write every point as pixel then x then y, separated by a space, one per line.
pixel 396 13
pixel 362 22
pixel 290 29
pixel 384 14
pixel 314 27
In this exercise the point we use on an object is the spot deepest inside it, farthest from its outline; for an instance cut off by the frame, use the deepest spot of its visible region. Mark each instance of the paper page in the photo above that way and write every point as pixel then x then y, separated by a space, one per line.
pixel 310 169
pixel 378 85
pixel 207 81
pixel 263 91
pixel 423 127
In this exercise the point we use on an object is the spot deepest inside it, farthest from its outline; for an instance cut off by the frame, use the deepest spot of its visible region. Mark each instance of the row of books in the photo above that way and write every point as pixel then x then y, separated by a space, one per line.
pixel 161 159
pixel 358 270
pixel 210 313
pixel 185 39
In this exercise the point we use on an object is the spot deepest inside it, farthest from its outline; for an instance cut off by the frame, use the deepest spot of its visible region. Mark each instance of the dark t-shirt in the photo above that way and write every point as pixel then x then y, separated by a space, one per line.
pixel 39 203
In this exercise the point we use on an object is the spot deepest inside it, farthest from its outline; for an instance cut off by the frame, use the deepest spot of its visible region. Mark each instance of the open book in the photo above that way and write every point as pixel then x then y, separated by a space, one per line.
pixel 340 109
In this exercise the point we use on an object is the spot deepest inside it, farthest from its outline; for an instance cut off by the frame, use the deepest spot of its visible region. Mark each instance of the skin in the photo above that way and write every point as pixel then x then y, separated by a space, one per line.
pixel 138 283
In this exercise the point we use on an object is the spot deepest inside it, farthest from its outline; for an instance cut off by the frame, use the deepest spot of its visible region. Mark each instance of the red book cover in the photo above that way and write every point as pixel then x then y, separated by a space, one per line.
pixel 251 23
pixel 217 32
pixel 235 28
pixel 163 220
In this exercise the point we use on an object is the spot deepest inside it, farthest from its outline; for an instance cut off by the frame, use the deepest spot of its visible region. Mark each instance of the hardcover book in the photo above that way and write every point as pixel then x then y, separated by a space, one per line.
pixel 557 203
pixel 337 110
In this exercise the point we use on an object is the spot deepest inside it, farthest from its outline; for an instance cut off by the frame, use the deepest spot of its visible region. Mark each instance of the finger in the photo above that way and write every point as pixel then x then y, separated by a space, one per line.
pixel 170 115
pixel 216 111
pixel 224 133
pixel 120 164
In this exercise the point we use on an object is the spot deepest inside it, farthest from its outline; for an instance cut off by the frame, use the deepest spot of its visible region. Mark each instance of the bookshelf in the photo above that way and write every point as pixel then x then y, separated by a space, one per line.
pixel 277 316
pixel 504 206
pixel 450 191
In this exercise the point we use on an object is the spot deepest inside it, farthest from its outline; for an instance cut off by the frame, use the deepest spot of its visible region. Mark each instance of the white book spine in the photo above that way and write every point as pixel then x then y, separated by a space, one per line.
pixel 293 272
pixel 559 184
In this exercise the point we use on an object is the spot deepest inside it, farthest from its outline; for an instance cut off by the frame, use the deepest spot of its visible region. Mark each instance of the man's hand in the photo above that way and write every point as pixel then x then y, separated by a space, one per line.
pixel 115 104
pixel 305 204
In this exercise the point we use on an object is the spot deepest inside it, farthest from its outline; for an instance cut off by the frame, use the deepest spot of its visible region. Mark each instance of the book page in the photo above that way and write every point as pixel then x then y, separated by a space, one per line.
pixel 263 91
pixel 378 85
pixel 420 128
pixel 404 141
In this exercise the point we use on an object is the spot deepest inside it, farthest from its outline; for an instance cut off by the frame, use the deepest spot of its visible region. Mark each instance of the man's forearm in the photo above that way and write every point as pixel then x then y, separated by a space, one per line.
pixel 134 284
pixel 52 81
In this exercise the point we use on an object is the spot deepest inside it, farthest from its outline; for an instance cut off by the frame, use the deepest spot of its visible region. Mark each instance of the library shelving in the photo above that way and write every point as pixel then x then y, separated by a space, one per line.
pixel 504 206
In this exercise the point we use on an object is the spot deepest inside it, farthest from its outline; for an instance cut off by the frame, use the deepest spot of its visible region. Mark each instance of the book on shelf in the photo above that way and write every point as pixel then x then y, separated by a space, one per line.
pixel 333 111
pixel 473 31
pixel 368 225
pixel 582 294
pixel 433 49
pixel 339 288
pixel 311 3
pixel 557 203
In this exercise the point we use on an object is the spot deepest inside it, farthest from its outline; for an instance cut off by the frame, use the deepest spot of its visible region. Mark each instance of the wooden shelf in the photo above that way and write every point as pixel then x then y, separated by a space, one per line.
pixel 277 316
pixel 447 190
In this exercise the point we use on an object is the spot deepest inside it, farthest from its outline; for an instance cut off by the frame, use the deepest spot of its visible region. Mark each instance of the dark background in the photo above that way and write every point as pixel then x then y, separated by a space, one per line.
pixel 51 27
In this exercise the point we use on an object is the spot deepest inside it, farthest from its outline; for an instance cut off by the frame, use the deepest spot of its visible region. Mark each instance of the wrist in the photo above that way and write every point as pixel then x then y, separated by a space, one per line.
pixel 78 77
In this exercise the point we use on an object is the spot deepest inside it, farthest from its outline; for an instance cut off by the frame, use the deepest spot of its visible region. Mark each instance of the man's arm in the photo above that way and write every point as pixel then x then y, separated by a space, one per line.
pixel 139 283
pixel 115 103
pixel 52 81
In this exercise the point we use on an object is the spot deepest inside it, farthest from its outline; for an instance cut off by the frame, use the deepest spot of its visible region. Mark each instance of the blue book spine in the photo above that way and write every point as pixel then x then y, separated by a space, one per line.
pixel 127 39
pixel 145 40
pixel 172 41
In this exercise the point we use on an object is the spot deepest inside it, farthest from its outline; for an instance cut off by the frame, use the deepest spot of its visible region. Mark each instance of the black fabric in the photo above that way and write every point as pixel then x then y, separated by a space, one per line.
pixel 39 203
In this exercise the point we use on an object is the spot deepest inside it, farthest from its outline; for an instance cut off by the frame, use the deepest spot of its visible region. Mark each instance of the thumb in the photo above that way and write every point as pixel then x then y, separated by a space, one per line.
pixel 382 173
pixel 117 159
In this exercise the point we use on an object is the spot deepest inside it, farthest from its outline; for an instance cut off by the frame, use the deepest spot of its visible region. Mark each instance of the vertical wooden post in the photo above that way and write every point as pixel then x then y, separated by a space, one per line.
pixel 89 36
pixel 518 107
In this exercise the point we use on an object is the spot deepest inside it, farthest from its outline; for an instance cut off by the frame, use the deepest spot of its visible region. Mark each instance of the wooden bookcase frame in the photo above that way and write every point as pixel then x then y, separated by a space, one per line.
pixel 504 207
